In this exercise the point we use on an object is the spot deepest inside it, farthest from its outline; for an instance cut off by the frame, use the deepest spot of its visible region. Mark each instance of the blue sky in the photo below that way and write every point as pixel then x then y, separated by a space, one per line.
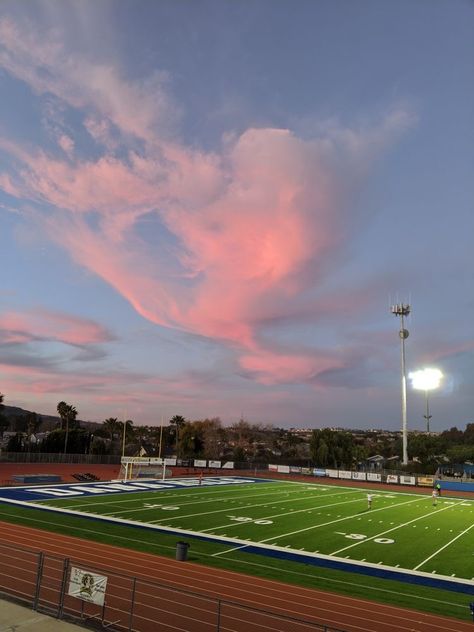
pixel 207 208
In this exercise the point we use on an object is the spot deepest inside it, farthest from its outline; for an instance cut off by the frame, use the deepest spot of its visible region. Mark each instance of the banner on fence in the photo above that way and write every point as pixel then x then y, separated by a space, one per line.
pixel 426 481
pixel 284 469
pixel 374 477
pixel 332 473
pixel 214 464
pixel 407 480
pixel 273 468
pixel 306 470
pixel 359 476
pixel 294 469
pixel 87 586
pixel 392 478
pixel 200 463
pixel 170 461
pixel 319 472
pixel 228 465
pixel 345 474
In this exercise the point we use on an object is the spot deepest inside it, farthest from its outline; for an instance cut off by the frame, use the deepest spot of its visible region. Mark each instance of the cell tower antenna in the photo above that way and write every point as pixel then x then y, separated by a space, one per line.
pixel 402 310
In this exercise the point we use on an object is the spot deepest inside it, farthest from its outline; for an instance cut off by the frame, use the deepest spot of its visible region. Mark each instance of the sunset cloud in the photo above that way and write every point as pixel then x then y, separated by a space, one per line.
pixel 215 243
pixel 40 324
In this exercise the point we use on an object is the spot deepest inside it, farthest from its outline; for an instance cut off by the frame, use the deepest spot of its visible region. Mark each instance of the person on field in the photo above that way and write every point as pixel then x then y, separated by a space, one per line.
pixel 200 478
pixel 434 496
pixel 438 489
pixel 369 501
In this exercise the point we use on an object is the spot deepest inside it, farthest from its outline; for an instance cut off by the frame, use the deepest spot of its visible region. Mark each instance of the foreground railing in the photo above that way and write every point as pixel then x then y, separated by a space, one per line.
pixel 45 583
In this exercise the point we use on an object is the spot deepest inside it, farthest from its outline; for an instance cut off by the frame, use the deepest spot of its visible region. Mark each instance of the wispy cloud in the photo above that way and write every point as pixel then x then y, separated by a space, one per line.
pixel 251 228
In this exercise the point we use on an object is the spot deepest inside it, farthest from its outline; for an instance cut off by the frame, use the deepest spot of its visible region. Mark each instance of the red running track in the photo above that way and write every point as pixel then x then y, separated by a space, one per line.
pixel 338 611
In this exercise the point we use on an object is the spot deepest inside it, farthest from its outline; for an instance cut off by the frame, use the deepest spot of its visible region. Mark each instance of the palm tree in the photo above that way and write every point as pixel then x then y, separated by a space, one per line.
pixel 68 415
pixel 178 421
pixel 112 426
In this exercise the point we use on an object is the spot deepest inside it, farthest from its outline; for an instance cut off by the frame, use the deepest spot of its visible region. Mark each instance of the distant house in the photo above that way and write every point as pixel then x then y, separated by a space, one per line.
pixel 379 462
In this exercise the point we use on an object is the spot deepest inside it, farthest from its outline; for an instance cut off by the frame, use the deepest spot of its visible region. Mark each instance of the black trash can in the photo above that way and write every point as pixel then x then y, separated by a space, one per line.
pixel 182 551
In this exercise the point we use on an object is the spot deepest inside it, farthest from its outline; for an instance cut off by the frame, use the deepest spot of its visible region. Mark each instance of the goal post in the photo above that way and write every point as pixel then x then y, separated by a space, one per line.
pixel 140 467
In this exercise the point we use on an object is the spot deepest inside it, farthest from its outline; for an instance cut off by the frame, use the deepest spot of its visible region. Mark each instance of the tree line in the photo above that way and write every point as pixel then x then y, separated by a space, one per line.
pixel 240 442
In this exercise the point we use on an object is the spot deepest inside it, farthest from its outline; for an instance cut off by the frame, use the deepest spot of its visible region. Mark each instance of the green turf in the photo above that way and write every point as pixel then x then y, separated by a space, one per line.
pixel 330 520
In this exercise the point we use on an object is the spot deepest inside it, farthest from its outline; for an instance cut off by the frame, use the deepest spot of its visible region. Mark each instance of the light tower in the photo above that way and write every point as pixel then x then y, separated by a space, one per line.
pixel 426 380
pixel 402 310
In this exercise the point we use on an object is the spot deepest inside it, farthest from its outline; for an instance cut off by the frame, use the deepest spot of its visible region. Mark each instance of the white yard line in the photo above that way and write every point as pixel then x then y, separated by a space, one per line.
pixel 325 524
pixel 168 496
pixel 292 513
pixel 400 526
pixel 443 547
pixel 153 496
pixel 230 508
pixel 212 500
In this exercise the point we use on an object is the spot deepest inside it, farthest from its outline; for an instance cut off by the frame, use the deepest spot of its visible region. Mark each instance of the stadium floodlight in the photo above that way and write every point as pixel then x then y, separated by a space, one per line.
pixel 426 380
pixel 402 310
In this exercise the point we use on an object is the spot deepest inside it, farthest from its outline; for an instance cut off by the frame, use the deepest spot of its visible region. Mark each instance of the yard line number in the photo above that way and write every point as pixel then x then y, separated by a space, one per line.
pixel 361 536
pixel 246 519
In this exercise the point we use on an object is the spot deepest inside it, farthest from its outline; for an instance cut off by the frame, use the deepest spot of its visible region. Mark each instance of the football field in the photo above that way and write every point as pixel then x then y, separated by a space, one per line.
pixel 402 531
pixel 403 550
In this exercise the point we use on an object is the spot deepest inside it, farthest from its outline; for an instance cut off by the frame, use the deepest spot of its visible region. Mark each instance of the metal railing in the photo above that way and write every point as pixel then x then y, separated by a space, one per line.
pixel 131 604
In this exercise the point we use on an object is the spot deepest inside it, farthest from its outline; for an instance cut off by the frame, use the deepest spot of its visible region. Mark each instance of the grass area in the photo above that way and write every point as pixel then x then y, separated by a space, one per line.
pixel 401 530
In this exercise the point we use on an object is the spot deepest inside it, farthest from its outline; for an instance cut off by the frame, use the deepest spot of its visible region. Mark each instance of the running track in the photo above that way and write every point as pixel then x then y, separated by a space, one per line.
pixel 346 613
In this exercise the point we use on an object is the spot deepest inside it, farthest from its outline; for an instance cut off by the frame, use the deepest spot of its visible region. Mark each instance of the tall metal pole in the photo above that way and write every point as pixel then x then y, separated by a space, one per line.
pixel 403 310
pixel 427 416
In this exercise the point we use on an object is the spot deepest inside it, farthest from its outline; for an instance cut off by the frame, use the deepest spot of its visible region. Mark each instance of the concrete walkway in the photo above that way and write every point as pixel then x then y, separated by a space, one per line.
pixel 15 618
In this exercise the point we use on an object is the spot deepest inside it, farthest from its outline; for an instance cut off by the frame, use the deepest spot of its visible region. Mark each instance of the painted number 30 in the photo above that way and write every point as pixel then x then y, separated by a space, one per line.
pixel 360 536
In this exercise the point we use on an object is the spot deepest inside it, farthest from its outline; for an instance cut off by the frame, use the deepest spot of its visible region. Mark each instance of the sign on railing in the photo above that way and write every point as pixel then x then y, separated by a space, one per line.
pixel 87 586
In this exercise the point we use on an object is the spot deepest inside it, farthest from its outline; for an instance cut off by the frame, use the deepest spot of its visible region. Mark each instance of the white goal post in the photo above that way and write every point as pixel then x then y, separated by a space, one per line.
pixel 134 467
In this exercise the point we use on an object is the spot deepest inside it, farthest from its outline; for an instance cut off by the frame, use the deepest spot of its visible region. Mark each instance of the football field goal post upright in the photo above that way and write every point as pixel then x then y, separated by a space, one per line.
pixel 135 467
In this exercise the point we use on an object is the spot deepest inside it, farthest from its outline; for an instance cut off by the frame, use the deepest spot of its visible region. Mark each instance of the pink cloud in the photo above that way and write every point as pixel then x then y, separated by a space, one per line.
pixel 42 324
pixel 138 107
pixel 256 226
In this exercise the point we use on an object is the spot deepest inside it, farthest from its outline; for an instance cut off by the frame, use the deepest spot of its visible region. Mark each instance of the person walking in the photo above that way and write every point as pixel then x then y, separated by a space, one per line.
pixel 369 501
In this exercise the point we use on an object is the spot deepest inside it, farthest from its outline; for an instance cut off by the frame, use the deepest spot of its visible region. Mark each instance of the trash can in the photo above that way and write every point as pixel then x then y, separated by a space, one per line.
pixel 182 551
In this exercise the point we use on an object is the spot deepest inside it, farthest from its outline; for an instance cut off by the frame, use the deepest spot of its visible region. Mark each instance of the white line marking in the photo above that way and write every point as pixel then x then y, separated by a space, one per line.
pixel 443 547
pixel 325 524
pixel 377 535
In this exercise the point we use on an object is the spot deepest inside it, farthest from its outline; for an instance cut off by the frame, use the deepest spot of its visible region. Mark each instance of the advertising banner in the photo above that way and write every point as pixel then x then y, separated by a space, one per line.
pixel 228 465
pixel 425 481
pixel 359 476
pixel 87 586
pixel 374 477
pixel 284 469
pixel 319 472
pixel 407 480
pixel 273 468
pixel 294 469
pixel 345 474
pixel 199 463
pixel 214 463
pixel 392 478
pixel 332 473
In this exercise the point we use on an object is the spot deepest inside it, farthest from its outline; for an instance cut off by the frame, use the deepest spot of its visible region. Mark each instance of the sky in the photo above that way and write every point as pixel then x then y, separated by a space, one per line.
pixel 207 208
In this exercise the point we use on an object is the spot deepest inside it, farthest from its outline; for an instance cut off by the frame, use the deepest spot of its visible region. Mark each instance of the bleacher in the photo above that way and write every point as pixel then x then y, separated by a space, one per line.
pixel 85 477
